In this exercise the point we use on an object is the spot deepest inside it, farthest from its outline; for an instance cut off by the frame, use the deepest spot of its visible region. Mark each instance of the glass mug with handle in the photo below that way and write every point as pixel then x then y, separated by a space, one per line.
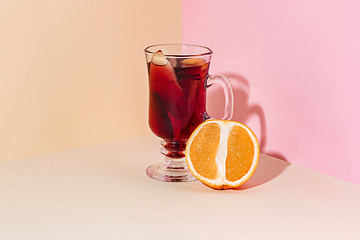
pixel 178 79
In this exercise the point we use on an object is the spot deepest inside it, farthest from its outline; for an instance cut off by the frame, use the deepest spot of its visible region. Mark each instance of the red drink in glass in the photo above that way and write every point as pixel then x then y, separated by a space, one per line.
pixel 177 102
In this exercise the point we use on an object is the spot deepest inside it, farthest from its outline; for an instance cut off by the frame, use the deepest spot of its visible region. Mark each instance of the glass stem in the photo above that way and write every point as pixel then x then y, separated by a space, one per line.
pixel 174 154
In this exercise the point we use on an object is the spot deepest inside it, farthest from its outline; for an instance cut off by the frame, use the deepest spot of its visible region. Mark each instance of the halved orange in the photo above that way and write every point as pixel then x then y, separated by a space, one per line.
pixel 222 154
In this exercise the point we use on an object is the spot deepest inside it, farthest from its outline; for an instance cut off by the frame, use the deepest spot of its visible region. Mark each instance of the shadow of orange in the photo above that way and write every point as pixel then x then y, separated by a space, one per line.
pixel 268 168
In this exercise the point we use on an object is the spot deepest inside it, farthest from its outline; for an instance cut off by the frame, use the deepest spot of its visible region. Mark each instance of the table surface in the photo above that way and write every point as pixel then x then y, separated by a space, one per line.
pixel 102 192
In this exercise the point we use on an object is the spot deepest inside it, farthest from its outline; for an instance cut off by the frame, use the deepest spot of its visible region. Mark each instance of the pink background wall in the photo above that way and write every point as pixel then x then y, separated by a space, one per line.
pixel 295 68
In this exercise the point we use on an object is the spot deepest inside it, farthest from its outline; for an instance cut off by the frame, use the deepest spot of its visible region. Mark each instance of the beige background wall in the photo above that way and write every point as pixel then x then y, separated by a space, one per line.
pixel 72 73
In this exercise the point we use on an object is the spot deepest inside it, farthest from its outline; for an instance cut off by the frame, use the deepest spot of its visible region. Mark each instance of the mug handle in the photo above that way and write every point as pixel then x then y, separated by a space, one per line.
pixel 228 93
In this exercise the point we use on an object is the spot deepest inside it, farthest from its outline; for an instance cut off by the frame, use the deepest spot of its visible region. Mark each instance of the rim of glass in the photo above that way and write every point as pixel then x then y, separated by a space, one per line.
pixel 207 51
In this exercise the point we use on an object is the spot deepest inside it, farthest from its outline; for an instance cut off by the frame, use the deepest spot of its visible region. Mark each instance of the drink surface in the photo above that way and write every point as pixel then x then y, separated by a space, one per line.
pixel 177 98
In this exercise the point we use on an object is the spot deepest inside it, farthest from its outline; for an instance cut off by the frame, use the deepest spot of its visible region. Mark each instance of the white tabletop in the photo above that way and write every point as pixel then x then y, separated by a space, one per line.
pixel 102 192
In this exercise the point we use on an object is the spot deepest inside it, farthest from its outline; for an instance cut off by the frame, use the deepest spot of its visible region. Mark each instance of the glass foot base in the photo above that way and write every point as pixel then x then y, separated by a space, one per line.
pixel 163 173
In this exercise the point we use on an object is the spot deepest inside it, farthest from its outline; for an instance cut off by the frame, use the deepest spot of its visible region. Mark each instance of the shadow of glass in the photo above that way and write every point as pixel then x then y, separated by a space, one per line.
pixel 244 111
pixel 268 168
